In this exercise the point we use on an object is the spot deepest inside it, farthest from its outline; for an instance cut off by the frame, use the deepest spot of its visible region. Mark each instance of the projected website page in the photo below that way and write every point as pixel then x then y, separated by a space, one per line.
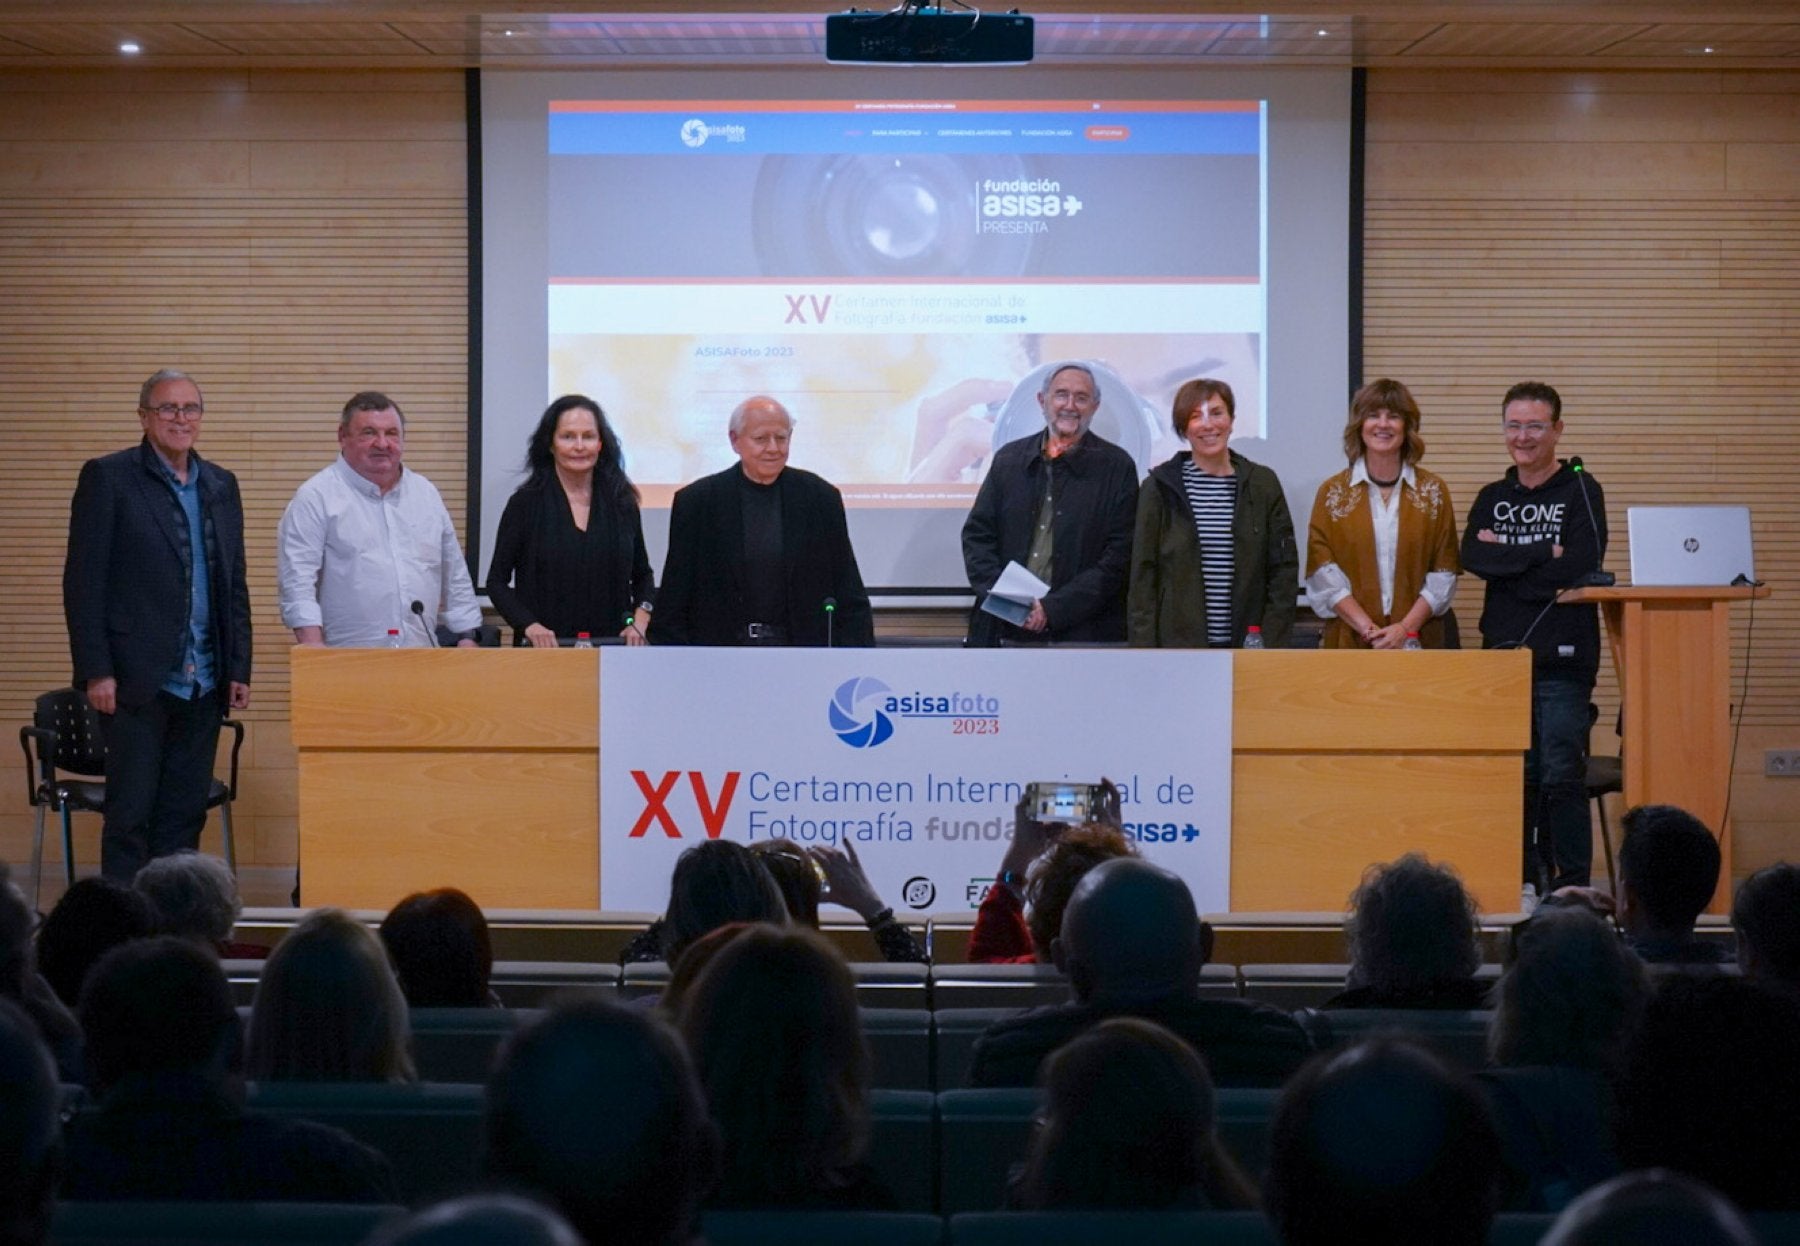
pixel 900 273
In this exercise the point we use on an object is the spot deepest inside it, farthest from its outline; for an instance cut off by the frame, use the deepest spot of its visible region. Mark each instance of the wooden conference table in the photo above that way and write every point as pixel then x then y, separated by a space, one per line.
pixel 480 769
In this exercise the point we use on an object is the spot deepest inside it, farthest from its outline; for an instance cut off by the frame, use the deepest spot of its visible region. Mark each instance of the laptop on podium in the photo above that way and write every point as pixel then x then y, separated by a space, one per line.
pixel 1689 545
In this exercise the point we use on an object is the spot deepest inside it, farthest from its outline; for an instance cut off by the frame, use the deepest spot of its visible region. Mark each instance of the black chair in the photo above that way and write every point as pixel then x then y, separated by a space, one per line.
pixel 65 769
pixel 1605 776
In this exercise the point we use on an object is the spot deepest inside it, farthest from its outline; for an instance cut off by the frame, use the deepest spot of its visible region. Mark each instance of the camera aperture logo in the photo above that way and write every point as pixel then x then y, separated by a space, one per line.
pixel 863 710
pixel 847 715
pixel 695 132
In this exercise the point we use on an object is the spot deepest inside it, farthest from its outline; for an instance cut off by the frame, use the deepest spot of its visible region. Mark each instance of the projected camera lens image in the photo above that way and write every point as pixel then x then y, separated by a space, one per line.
pixel 881 216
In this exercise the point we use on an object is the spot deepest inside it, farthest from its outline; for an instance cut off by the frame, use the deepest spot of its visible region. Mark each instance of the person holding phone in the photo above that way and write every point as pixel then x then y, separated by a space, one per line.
pixel 1022 912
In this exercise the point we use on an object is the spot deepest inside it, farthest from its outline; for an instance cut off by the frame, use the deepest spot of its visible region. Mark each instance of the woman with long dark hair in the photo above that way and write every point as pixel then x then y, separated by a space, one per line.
pixel 569 556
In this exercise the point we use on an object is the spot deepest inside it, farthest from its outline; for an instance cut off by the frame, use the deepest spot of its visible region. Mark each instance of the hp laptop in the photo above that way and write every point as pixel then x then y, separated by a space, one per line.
pixel 1689 545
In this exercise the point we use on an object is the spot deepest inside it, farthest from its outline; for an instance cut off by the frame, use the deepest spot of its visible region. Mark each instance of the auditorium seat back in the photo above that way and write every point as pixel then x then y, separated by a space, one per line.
pixel 218 1224
pixel 1459 1037
pixel 430 1132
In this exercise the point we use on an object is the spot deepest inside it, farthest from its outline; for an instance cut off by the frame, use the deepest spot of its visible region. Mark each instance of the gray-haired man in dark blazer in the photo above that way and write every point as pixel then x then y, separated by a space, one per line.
pixel 159 622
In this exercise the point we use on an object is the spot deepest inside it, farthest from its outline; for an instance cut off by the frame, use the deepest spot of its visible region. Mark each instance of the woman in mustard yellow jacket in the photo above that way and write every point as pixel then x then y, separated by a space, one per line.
pixel 1381 556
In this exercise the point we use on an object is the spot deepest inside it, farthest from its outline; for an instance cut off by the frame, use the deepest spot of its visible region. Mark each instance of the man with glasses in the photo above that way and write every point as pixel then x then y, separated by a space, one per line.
pixel 760 554
pixel 1533 534
pixel 367 553
pixel 1061 503
pixel 159 622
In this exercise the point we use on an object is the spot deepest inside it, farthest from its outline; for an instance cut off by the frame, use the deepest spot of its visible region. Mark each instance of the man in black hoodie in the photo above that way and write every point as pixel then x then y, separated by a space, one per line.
pixel 1532 534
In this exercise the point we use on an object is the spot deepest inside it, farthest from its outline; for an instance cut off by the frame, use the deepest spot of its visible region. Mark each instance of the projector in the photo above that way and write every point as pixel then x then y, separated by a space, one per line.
pixel 914 35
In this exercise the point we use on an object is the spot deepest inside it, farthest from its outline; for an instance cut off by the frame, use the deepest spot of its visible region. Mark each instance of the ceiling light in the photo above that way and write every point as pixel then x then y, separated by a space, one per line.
pixel 131 47
pixel 1706 50
pixel 1323 31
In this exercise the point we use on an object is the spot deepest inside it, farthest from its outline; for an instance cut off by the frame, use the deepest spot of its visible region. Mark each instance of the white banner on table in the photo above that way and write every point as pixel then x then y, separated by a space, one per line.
pixel 915 757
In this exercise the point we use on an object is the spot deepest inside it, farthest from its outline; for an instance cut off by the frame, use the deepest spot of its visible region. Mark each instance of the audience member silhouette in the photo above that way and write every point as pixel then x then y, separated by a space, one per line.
pixel 21 983
pixel 1565 1010
pixel 1128 1124
pixel 1133 945
pixel 1711 1088
pixel 481 1220
pixel 30 1131
pixel 684 972
pixel 441 951
pixel 1668 870
pixel 328 1008
pixel 194 896
pixel 1022 913
pixel 162 1048
pixel 1381 1143
pixel 1766 916
pixel 714 884
pixel 803 876
pixel 595 1108
pixel 92 917
pixel 777 1040
pixel 1651 1208
pixel 1414 940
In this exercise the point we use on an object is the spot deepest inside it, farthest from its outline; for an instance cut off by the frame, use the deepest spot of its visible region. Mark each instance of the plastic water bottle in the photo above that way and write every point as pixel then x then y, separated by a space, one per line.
pixel 1412 641
pixel 583 641
pixel 393 638
pixel 1253 637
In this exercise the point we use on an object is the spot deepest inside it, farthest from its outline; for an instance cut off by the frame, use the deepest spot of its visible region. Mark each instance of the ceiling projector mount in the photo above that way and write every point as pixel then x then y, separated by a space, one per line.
pixel 916 33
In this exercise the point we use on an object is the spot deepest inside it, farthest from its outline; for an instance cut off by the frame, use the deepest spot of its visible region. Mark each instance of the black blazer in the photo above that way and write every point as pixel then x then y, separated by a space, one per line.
pixel 126 578
pixel 528 583
pixel 703 600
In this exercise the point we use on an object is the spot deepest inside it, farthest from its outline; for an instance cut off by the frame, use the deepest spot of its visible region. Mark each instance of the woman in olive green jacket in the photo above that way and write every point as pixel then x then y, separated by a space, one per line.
pixel 1211 517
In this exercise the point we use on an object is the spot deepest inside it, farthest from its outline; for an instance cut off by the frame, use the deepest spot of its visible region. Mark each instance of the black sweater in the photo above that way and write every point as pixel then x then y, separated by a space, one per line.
pixel 1522 576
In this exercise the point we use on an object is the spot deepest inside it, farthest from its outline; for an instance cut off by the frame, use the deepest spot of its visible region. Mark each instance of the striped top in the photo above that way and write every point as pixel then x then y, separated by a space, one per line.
pixel 1213 500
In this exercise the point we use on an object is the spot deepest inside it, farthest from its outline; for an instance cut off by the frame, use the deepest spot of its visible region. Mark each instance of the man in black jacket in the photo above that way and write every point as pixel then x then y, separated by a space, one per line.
pixel 1061 503
pixel 1533 534
pixel 759 554
pixel 159 622
pixel 1133 946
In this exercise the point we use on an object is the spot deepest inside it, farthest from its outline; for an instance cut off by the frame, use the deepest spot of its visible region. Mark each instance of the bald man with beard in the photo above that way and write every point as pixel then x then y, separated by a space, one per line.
pixel 1133 945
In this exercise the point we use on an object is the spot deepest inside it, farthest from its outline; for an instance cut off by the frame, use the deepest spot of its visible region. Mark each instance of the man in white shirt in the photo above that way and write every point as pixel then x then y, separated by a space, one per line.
pixel 367 548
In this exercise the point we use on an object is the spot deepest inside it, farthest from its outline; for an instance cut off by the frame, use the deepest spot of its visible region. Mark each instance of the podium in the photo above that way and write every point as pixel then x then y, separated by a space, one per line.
pixel 480 769
pixel 1671 649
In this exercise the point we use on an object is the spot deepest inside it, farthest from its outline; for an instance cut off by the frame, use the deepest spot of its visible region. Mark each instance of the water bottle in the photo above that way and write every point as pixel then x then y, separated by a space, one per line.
pixel 393 638
pixel 583 641
pixel 1412 641
pixel 1253 637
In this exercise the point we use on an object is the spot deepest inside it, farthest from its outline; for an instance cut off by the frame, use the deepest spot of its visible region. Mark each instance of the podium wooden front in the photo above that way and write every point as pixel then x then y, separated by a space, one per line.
pixel 480 769
pixel 1671 648
pixel 470 768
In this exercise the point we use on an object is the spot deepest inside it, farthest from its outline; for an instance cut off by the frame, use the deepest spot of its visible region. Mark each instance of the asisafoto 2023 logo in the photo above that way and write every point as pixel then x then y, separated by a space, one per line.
pixel 855 712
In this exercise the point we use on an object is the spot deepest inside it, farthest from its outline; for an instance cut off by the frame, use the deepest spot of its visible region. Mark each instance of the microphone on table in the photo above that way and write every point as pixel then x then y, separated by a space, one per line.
pixel 1595 578
pixel 830 620
pixel 418 608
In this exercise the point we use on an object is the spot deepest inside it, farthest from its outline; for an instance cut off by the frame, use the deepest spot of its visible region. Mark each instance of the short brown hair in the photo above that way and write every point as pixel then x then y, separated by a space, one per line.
pixel 1394 398
pixel 1191 394
pixel 1065 863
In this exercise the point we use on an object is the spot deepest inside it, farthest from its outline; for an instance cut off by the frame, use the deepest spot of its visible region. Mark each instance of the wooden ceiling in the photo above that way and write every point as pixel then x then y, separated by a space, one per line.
pixel 1590 34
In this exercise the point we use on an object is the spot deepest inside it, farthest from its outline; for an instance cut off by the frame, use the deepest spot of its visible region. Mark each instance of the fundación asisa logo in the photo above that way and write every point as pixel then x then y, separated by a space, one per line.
pixel 863 710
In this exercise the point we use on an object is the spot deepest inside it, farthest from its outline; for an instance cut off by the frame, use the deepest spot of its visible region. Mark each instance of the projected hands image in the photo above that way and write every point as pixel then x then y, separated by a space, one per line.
pixel 900 275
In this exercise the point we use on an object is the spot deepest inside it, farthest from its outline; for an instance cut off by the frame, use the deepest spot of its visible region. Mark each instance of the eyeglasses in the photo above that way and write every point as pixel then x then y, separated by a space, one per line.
pixel 1534 428
pixel 169 411
pixel 1074 397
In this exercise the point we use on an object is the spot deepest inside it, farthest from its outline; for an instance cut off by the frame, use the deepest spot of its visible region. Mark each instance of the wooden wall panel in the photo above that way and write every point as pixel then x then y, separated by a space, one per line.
pixel 287 238
pixel 1634 239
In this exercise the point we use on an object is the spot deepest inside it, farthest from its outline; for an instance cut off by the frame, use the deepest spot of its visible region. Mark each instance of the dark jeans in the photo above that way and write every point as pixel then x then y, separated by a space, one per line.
pixel 1559 836
pixel 159 769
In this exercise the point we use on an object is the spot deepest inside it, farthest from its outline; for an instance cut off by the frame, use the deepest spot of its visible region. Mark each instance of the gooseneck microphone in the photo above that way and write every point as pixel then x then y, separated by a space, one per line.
pixel 418 608
pixel 830 620
pixel 1596 578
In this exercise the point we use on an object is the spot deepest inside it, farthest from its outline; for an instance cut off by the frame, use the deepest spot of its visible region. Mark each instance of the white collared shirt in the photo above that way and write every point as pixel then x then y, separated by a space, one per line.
pixel 353 560
pixel 1329 585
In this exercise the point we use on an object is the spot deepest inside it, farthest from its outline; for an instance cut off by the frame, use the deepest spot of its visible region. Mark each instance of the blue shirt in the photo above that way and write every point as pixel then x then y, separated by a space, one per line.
pixel 194 676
